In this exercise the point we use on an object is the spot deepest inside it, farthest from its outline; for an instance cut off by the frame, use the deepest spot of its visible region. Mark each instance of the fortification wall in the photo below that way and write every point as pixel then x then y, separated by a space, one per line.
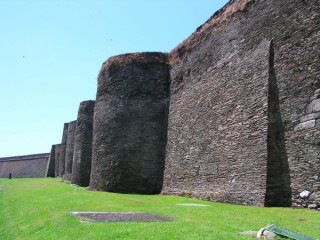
pixel 217 135
pixel 233 109
pixel 82 157
pixel 244 115
pixel 69 150
pixel 63 145
pixel 27 166
pixel 57 159
pixel 130 122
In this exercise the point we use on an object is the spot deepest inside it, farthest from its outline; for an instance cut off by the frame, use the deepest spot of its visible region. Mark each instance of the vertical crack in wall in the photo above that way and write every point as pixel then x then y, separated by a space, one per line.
pixel 278 192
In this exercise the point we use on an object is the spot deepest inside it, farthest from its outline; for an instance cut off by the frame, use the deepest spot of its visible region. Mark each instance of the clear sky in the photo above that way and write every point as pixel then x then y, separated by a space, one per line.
pixel 51 52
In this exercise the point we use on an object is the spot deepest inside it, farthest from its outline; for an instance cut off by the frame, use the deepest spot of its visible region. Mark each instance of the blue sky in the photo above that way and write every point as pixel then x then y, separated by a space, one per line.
pixel 51 52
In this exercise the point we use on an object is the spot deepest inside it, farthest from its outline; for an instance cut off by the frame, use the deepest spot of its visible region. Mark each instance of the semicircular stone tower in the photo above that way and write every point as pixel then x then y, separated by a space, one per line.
pixel 57 155
pixel 63 145
pixel 130 124
pixel 81 167
pixel 69 150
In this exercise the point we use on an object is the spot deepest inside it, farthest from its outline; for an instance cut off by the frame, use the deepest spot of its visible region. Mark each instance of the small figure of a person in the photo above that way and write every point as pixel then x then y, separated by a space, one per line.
pixel 10 175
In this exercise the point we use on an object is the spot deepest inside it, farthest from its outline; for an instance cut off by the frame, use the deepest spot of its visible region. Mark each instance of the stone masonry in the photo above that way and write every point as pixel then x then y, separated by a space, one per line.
pixel 26 166
pixel 63 150
pixel 232 114
pixel 57 157
pixel 69 150
pixel 235 133
pixel 130 122
pixel 81 167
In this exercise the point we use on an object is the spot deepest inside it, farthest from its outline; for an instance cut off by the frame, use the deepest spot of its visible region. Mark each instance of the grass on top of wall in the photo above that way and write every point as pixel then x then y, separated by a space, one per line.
pixel 38 209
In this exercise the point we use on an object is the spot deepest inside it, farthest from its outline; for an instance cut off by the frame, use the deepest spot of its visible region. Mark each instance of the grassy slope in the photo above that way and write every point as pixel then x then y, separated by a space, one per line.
pixel 37 209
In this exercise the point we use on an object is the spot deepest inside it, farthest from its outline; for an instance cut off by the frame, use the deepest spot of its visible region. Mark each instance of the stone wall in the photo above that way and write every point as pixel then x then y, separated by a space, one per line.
pixel 63 145
pixel 130 123
pixel 69 150
pixel 27 166
pixel 305 159
pixel 57 158
pixel 81 167
pixel 234 126
pixel 243 125
pixel 217 135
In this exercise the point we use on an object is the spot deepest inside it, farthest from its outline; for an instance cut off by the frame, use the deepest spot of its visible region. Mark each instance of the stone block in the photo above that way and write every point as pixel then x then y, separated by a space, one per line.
pixel 313 206
pixel 308 117
pixel 316 105
pixel 309 108
pixel 314 97
pixel 316 115
pixel 305 125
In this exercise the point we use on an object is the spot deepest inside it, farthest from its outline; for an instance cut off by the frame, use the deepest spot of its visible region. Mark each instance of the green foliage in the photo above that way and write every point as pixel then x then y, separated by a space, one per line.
pixel 38 209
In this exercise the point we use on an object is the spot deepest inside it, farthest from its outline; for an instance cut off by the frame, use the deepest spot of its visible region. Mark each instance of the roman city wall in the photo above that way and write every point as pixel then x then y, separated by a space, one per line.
pixel 82 156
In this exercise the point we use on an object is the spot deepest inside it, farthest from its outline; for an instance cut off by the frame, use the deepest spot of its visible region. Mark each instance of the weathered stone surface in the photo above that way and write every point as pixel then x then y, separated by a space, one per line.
pixel 305 125
pixel 313 206
pixel 309 108
pixel 311 116
pixel 305 194
pixel 316 105
pixel 218 121
pixel 69 150
pixel 130 124
pixel 57 157
pixel 63 150
pixel 268 234
pixel 308 117
pixel 50 172
pixel 81 167
pixel 314 97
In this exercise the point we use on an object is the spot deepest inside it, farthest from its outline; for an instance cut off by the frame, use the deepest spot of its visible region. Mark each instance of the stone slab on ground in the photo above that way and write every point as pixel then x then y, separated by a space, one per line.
pixel 119 217
pixel 193 205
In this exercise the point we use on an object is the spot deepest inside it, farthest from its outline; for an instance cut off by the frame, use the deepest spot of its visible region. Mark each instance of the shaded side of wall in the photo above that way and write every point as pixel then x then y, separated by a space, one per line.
pixel 51 162
pixel 297 48
pixel 28 166
pixel 278 192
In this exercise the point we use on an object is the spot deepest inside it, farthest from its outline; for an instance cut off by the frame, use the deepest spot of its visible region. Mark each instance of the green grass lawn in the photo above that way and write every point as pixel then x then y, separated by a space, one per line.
pixel 38 209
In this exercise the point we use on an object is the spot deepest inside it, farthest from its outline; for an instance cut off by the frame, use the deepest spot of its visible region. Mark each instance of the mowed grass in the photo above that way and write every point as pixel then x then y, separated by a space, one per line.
pixel 38 209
